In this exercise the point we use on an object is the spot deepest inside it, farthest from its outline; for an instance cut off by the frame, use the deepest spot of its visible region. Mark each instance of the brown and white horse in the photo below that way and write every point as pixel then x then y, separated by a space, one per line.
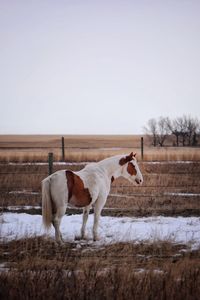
pixel 84 188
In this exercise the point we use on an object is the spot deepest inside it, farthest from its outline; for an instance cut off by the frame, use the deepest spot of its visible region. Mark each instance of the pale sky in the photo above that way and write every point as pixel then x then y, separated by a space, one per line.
pixel 97 67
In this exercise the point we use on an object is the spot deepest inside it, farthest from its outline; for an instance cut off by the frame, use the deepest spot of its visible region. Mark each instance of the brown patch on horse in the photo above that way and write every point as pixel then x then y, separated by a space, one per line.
pixel 126 159
pixel 131 169
pixel 78 195
pixel 112 179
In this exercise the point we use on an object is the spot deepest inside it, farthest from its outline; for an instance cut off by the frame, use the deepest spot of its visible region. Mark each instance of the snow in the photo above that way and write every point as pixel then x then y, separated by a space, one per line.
pixel 182 194
pixel 26 192
pixel 57 163
pixel 21 207
pixel 166 162
pixel 86 162
pixel 111 229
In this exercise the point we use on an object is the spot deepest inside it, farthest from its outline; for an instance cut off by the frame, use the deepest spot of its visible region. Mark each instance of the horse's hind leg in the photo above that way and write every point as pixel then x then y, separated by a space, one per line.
pixel 85 218
pixel 56 223
pixel 99 204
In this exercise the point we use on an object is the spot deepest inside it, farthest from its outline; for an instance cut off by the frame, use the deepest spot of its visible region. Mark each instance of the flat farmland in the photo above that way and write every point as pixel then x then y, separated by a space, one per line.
pixel 23 148
pixel 162 265
pixel 77 148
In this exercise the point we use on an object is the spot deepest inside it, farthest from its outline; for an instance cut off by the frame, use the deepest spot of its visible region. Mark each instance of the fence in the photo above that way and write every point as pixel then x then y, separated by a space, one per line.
pixel 50 155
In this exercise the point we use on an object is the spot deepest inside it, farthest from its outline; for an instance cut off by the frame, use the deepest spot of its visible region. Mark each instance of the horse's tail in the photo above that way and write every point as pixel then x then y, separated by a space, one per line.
pixel 46 203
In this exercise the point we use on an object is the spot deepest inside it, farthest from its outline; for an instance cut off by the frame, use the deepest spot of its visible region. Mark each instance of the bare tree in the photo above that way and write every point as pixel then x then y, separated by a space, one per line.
pixel 186 130
pixel 163 130
pixel 158 130
pixel 192 129
pixel 175 127
pixel 151 130
pixel 182 121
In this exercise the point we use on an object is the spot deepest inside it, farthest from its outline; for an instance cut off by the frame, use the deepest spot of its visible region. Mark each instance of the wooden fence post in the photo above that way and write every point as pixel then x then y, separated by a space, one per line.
pixel 63 149
pixel 50 161
pixel 142 148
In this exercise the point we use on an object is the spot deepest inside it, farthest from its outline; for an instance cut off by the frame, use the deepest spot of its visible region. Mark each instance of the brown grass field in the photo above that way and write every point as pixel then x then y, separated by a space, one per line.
pixel 86 148
pixel 37 268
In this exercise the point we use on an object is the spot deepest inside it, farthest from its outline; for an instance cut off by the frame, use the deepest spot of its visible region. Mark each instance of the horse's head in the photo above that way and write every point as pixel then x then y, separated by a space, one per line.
pixel 131 169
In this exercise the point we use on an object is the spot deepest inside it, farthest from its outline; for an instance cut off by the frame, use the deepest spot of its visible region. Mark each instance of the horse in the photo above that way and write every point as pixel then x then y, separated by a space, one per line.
pixel 85 188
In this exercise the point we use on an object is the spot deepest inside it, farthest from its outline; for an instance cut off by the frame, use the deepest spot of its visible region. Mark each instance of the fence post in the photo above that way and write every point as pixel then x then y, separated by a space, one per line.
pixel 63 148
pixel 142 148
pixel 50 161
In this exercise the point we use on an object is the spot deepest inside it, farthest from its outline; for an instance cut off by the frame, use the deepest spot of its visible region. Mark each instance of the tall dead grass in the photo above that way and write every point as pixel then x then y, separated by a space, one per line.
pixel 116 283
pixel 171 154
pixel 39 269
pixel 95 155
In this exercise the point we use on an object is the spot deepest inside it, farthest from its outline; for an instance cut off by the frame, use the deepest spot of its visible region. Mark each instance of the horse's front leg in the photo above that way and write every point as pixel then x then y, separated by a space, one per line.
pixel 97 212
pixel 85 218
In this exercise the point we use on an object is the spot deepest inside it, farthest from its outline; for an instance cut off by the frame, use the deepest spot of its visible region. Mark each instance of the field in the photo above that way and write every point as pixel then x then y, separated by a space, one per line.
pixel 152 258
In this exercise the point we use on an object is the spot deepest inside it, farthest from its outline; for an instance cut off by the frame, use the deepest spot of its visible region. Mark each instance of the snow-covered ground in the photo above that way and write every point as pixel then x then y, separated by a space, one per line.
pixel 111 229
pixel 86 162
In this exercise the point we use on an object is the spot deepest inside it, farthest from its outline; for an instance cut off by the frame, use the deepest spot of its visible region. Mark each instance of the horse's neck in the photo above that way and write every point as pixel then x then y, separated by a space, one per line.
pixel 111 166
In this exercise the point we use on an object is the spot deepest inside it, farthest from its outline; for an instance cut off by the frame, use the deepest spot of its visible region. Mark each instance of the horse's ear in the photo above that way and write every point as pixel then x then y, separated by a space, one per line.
pixel 126 159
pixel 134 154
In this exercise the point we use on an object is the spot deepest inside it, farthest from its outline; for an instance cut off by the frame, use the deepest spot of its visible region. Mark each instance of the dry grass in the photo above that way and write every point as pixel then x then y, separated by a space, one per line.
pixel 160 192
pixel 115 283
pixel 40 269
pixel 171 154
pixel 71 155
pixel 71 141
pixel 87 155
pixel 86 148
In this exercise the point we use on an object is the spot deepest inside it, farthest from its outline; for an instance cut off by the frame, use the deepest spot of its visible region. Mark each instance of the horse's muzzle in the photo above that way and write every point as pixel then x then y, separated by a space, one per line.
pixel 138 181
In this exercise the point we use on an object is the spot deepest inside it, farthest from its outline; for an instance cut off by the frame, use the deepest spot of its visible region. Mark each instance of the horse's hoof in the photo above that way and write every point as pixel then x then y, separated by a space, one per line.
pixel 96 238
pixel 81 237
pixel 60 242
pixel 78 237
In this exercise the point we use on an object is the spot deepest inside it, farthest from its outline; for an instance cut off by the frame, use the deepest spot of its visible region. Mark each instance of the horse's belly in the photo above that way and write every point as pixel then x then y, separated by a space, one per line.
pixel 83 200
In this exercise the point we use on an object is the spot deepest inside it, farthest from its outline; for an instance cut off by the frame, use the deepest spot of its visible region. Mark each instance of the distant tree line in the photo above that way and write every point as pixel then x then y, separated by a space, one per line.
pixel 181 131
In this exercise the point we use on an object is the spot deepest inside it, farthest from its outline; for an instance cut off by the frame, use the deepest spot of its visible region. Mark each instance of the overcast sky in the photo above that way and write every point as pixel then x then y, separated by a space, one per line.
pixel 97 67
